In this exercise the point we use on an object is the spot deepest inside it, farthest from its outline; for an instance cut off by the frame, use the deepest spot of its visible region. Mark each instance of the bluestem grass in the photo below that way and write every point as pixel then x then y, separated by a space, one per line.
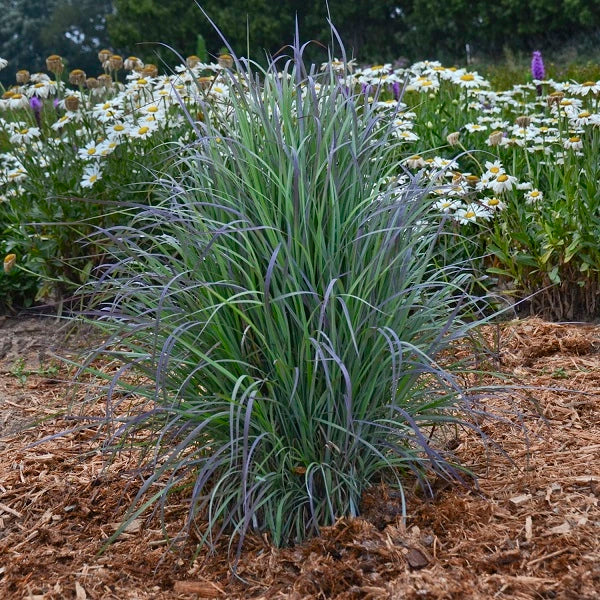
pixel 287 313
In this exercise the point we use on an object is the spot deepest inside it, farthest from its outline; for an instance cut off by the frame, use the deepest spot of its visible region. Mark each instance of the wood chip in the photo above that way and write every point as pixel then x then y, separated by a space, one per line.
pixel 586 479
pixel 519 500
pixel 11 511
pixel 80 593
pixel 528 528
pixel 132 527
pixel 206 589
pixel 417 559
pixel 559 529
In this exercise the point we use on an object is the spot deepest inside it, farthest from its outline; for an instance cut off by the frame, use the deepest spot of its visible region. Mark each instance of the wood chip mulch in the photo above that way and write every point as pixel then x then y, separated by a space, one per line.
pixel 531 530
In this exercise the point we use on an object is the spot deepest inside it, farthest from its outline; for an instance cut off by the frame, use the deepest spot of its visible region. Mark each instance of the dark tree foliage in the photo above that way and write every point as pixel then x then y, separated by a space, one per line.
pixel 372 30
pixel 441 28
pixel 30 30
pixel 369 28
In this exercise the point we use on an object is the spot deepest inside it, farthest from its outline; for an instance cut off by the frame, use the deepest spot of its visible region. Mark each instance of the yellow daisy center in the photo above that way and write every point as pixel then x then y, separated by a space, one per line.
pixel 467 77
pixel 502 178
pixel 143 130
pixel 91 151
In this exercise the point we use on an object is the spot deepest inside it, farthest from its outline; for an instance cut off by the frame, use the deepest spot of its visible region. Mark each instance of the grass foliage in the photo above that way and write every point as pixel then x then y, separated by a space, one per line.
pixel 283 314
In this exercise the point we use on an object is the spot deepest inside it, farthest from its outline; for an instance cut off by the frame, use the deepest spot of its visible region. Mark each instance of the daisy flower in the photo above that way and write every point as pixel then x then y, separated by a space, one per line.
pixel 90 176
pixel 89 151
pixel 493 203
pixel 25 135
pixel 17 101
pixel 143 131
pixel 573 143
pixel 472 212
pixel 405 135
pixel 473 127
pixel 469 80
pixel 583 89
pixel 446 205
pixel 503 183
pixel 493 169
pixel 533 196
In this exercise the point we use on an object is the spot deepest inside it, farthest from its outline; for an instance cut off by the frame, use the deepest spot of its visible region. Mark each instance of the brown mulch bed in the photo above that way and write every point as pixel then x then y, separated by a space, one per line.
pixel 532 530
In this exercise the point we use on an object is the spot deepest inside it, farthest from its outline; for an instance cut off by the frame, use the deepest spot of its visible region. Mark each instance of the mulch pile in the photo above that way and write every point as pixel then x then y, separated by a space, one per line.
pixel 531 529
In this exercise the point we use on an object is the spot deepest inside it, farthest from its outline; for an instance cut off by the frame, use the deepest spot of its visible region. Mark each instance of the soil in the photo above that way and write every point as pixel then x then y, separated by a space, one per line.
pixel 531 529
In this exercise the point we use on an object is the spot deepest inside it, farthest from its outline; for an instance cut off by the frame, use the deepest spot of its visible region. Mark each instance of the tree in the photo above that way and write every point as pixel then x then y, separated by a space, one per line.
pixel 30 30
pixel 369 28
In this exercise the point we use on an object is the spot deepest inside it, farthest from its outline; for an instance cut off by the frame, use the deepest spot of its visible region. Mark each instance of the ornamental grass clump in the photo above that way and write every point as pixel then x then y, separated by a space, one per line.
pixel 278 319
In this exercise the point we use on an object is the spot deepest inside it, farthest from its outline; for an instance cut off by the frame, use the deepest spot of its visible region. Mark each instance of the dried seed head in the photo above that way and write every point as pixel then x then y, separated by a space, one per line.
pixel 23 76
pixel 9 262
pixel 150 70
pixel 192 61
pixel 452 138
pixel 495 138
pixel 77 77
pixel 72 103
pixel 105 80
pixel 104 55
pixel 225 61
pixel 205 82
pixel 555 98
pixel 91 83
pixel 133 63
pixel 523 121
pixel 54 64
pixel 115 62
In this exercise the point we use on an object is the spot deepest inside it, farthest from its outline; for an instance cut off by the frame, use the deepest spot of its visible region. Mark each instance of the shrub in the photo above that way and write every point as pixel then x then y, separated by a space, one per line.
pixel 284 311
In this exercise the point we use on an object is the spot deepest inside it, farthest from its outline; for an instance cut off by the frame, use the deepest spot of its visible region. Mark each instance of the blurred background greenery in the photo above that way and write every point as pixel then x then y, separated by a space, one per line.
pixel 496 38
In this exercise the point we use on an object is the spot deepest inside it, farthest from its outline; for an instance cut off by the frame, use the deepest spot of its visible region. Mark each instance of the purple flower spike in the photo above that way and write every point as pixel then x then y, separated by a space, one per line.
pixel 36 104
pixel 537 66
pixel 396 90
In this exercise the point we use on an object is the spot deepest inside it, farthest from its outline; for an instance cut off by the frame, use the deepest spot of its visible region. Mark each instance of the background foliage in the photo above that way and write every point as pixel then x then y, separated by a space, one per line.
pixel 30 30
pixel 384 30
